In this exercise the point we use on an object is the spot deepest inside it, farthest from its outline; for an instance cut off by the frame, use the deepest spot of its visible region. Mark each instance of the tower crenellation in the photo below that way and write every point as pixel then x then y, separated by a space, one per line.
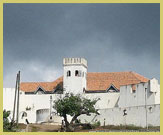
pixel 74 61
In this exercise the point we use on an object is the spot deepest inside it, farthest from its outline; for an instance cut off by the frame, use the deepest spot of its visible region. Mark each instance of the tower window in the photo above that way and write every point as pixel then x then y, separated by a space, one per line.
pixel 76 73
pixel 68 73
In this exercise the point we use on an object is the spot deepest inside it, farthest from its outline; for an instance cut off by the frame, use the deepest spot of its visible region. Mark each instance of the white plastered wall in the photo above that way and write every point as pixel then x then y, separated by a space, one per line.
pixel 135 116
pixel 107 100
pixel 128 98
pixel 74 84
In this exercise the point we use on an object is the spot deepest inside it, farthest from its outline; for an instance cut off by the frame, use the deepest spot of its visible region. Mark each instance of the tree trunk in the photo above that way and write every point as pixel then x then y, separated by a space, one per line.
pixel 69 128
pixel 74 118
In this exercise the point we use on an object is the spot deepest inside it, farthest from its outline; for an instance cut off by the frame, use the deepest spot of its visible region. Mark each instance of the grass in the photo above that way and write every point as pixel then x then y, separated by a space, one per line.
pixel 129 127
pixel 154 128
pixel 96 124
pixel 21 126
pixel 34 129
pixel 90 127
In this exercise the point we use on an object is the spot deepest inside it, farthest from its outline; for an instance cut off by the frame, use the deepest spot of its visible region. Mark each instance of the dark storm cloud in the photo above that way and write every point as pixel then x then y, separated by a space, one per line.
pixel 112 37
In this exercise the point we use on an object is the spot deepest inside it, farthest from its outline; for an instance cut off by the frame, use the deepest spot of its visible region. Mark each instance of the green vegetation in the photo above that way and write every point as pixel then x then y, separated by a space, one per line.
pixel 123 127
pixel 34 129
pixel 74 105
pixel 96 124
pixel 129 127
pixel 8 126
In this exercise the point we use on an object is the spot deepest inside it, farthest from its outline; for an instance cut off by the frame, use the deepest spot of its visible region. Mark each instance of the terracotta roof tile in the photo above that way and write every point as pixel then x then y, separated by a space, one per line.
pixel 47 86
pixel 101 81
pixel 95 81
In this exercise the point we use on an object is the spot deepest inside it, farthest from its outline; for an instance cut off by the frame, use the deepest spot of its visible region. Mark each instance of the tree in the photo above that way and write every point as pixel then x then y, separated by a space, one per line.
pixel 8 126
pixel 74 105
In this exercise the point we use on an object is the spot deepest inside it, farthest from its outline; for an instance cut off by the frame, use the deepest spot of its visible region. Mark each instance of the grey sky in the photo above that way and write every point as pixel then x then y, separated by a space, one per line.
pixel 112 37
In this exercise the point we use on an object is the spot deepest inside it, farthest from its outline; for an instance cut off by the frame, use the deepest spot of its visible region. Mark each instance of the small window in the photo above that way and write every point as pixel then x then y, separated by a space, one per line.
pixel 150 109
pixel 68 73
pixel 133 88
pixel 124 112
pixel 76 73
pixel 24 115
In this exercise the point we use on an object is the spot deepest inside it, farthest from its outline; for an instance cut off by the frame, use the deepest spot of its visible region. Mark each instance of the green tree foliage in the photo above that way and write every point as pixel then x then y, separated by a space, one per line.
pixel 74 105
pixel 7 126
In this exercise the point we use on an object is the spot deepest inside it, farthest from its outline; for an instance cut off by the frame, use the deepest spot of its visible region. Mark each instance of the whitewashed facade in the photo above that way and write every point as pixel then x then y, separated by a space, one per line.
pixel 38 107
pixel 145 94
pixel 75 72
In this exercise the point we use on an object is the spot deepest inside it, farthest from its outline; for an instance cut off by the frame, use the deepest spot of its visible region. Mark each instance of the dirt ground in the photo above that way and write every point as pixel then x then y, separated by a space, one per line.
pixel 39 128
pixel 56 128
pixel 100 129
pixel 43 128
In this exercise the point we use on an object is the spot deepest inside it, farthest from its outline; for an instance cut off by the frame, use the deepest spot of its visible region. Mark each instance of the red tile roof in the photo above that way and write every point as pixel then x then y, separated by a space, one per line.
pixel 47 86
pixel 101 81
pixel 95 81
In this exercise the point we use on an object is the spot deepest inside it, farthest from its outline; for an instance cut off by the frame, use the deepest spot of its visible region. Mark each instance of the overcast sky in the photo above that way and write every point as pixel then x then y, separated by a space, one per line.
pixel 112 37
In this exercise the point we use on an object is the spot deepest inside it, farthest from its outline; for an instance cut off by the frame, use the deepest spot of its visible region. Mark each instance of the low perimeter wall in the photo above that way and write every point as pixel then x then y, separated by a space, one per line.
pixel 137 116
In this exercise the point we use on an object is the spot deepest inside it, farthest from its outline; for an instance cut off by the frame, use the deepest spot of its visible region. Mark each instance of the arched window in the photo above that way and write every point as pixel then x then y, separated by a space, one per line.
pixel 24 114
pixel 76 73
pixel 68 73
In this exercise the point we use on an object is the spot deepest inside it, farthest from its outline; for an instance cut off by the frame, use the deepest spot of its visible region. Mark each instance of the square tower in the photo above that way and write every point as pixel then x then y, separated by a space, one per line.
pixel 75 75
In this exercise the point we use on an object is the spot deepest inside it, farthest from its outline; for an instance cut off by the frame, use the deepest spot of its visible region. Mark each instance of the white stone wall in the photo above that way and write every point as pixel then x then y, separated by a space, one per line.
pixel 135 116
pixel 37 102
pixel 107 100
pixel 8 98
pixel 129 98
pixel 157 96
pixel 126 98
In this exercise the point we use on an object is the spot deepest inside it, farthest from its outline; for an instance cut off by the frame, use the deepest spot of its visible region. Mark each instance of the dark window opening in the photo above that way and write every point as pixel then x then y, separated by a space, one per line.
pixel 76 73
pixel 112 89
pixel 24 115
pixel 40 91
pixel 133 88
pixel 68 73
pixel 124 112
